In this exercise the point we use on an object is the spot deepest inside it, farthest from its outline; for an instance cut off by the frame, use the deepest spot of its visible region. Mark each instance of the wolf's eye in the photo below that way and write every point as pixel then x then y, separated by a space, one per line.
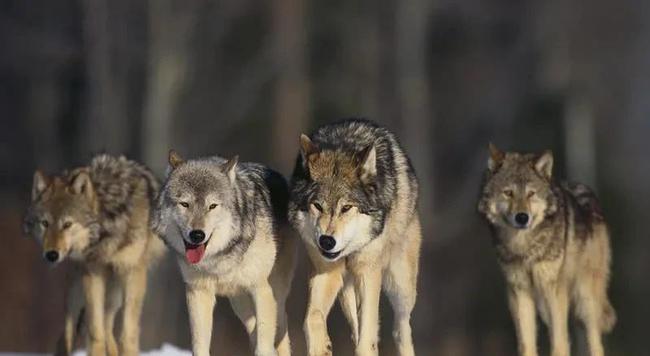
pixel 345 208
pixel 318 207
pixel 212 206
pixel 531 194
pixel 66 225
pixel 45 223
pixel 509 193
pixel 184 204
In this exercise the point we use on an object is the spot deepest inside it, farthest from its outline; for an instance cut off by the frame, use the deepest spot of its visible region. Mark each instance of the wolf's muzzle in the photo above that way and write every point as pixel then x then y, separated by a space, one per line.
pixel 326 242
pixel 522 219
pixel 197 236
pixel 52 256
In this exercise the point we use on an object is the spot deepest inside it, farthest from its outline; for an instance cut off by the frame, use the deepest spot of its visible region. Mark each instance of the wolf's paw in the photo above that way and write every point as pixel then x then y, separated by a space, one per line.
pixel 326 351
pixel 272 352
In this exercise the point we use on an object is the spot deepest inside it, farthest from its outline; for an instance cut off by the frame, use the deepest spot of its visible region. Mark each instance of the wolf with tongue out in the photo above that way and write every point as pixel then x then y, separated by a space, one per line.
pixel 227 222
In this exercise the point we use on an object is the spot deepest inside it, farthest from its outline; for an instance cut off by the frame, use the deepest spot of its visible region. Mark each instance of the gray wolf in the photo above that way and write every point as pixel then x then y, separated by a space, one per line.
pixel 226 222
pixel 98 217
pixel 552 244
pixel 353 200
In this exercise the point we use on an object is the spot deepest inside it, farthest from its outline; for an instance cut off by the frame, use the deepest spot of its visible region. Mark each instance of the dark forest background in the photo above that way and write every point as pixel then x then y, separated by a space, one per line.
pixel 247 77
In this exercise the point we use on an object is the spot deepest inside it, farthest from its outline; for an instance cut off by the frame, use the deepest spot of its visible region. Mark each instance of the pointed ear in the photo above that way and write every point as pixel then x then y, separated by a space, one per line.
pixel 230 168
pixel 368 163
pixel 496 157
pixel 81 184
pixel 307 147
pixel 544 164
pixel 39 184
pixel 175 159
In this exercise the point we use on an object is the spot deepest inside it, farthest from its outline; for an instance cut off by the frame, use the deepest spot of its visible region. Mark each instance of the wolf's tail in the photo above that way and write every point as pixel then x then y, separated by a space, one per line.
pixel 608 318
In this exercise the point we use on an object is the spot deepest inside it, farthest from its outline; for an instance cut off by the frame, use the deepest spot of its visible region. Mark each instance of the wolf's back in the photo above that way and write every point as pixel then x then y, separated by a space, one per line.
pixel 116 179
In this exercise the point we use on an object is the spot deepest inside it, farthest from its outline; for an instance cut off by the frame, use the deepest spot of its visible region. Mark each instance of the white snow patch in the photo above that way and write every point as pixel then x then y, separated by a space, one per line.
pixel 165 350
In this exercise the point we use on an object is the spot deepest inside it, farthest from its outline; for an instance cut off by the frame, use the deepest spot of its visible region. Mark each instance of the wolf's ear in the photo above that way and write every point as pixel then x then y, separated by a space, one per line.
pixel 40 183
pixel 81 184
pixel 496 157
pixel 368 163
pixel 308 149
pixel 544 164
pixel 230 168
pixel 175 159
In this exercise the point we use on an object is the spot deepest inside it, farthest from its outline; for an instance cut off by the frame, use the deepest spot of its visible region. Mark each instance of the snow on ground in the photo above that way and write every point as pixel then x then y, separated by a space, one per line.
pixel 165 350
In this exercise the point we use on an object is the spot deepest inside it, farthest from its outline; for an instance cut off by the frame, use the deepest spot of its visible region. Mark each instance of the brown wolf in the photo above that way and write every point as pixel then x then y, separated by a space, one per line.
pixel 353 199
pixel 552 243
pixel 98 217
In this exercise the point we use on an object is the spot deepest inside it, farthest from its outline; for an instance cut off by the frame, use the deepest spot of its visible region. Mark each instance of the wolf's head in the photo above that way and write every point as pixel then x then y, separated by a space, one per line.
pixel 195 213
pixel 518 192
pixel 63 215
pixel 342 212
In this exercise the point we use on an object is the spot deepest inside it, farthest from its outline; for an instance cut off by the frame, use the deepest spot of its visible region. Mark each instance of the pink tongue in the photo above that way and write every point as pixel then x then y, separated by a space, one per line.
pixel 194 254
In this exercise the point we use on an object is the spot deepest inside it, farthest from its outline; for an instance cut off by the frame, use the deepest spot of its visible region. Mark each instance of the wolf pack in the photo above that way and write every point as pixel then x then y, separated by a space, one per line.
pixel 235 228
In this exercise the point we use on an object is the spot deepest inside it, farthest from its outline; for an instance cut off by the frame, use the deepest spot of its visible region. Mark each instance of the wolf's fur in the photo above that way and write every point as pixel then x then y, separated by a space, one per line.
pixel 98 216
pixel 352 181
pixel 250 250
pixel 559 260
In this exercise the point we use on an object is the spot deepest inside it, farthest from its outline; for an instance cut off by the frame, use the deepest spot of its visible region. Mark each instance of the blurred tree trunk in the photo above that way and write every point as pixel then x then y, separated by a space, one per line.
pixel 171 26
pixel 106 122
pixel 415 96
pixel 291 90
pixel 170 30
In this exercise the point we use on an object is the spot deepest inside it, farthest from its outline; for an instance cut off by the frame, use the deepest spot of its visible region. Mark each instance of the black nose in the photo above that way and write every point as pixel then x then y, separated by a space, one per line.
pixel 52 256
pixel 326 242
pixel 521 218
pixel 197 236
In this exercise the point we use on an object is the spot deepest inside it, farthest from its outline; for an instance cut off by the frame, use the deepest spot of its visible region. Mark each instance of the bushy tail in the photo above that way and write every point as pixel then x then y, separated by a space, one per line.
pixel 608 318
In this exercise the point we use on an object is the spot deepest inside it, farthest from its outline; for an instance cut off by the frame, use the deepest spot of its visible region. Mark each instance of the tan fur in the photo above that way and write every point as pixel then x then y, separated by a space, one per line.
pixel 257 287
pixel 389 261
pixel 560 262
pixel 107 275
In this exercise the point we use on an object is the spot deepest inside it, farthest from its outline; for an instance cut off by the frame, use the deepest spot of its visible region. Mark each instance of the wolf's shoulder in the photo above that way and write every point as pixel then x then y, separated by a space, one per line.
pixel 585 199
pixel 352 133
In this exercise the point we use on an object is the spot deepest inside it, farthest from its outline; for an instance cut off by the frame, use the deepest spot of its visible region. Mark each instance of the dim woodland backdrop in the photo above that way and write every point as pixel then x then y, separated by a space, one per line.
pixel 246 77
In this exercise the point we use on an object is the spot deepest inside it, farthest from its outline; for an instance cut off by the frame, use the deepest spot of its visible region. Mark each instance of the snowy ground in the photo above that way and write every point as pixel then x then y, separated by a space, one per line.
pixel 165 350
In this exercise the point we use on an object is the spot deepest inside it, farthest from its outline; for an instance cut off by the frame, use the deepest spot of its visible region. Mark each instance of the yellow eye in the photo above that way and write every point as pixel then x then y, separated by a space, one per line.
pixel 184 204
pixel 509 193
pixel 66 225
pixel 212 206
pixel 45 223
pixel 345 208
pixel 531 194
pixel 318 207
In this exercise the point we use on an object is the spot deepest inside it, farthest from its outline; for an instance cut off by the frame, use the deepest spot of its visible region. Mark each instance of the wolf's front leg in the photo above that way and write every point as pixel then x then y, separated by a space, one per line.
pixel 94 286
pixel 74 303
pixel 134 285
pixel 200 305
pixel 266 318
pixel 522 308
pixel 557 301
pixel 368 287
pixel 323 288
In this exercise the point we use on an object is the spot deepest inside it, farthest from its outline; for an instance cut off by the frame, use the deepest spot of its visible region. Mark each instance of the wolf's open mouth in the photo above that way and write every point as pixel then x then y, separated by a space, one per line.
pixel 194 253
pixel 330 255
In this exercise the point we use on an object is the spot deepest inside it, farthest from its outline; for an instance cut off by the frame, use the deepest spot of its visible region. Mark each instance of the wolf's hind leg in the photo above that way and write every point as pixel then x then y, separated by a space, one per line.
pixel 348 301
pixel 400 284
pixel 135 285
pixel 113 304
pixel 74 303
pixel 323 288
pixel 590 310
